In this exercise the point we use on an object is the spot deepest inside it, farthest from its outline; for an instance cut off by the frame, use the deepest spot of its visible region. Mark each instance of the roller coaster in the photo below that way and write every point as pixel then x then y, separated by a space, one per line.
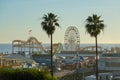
pixel 32 44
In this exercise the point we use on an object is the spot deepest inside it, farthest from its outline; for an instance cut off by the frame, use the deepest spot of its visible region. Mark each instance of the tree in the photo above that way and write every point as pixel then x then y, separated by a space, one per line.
pixel 48 25
pixel 93 27
pixel 24 74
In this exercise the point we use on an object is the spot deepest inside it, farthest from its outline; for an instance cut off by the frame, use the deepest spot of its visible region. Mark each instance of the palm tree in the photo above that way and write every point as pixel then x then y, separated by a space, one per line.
pixel 93 27
pixel 48 25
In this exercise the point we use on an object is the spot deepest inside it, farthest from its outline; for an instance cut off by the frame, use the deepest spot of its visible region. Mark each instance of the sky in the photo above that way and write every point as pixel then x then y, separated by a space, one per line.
pixel 17 17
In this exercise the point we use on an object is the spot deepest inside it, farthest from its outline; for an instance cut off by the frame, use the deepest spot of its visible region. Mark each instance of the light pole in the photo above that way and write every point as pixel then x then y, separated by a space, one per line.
pixel 83 73
pixel 77 61
pixel 110 64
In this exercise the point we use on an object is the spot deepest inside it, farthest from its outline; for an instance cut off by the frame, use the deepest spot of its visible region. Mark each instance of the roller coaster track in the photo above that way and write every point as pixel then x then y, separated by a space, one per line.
pixel 58 48
pixel 32 42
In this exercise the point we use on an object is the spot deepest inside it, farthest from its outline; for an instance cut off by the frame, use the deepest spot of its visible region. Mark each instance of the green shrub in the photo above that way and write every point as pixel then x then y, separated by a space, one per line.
pixel 24 74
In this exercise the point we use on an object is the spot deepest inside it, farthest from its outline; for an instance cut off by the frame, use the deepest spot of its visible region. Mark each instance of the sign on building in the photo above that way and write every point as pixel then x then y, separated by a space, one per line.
pixel 81 58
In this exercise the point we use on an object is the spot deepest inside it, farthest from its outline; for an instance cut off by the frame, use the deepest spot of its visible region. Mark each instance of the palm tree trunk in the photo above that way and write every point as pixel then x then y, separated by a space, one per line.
pixel 96 58
pixel 51 57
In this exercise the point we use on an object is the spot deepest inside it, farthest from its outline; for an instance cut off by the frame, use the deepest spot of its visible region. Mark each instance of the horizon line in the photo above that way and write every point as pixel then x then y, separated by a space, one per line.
pixel 63 43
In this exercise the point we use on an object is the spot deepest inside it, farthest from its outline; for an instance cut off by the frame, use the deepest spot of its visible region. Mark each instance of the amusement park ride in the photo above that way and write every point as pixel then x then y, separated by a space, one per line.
pixel 72 39
pixel 71 44
pixel 32 45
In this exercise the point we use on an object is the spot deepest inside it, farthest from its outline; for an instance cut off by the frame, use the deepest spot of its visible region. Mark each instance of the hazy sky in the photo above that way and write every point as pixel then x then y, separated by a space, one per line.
pixel 19 16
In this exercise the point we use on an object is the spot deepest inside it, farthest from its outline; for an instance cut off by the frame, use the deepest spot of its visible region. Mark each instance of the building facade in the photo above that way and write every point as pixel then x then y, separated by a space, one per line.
pixel 109 61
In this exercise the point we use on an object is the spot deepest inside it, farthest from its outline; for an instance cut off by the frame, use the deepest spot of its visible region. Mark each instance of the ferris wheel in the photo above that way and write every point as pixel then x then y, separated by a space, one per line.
pixel 72 39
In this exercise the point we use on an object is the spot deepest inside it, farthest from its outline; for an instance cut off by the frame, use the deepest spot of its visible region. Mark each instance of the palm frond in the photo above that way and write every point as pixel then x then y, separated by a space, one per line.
pixel 49 23
pixel 94 25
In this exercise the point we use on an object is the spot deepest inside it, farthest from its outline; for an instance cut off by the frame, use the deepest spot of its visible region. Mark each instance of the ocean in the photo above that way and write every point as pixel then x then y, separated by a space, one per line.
pixel 7 48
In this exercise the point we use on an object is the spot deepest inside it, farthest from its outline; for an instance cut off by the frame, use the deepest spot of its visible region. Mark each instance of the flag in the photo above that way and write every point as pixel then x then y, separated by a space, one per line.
pixel 30 31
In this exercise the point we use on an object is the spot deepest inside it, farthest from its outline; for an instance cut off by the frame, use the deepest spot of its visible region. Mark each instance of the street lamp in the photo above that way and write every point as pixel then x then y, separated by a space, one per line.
pixel 77 60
